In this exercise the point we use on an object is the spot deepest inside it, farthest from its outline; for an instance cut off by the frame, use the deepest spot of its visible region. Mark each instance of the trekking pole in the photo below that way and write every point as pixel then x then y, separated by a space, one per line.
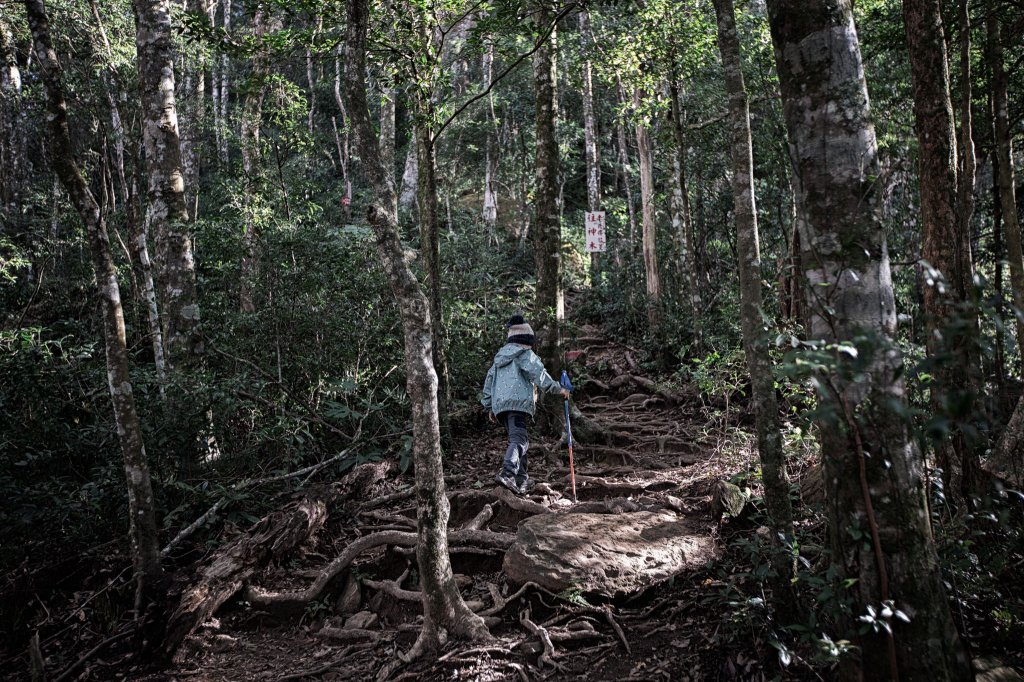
pixel 567 385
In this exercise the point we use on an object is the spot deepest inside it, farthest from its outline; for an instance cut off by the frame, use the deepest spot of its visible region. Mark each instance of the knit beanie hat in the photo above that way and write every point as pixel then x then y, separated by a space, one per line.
pixel 519 331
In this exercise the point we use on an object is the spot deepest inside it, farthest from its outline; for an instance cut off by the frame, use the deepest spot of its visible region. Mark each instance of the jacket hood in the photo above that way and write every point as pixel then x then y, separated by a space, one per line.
pixel 508 354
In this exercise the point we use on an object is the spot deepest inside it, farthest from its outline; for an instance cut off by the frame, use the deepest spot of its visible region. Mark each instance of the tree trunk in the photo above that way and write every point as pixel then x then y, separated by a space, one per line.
pixel 410 173
pixel 430 254
pixel 194 106
pixel 490 209
pixel 592 153
pixel 223 149
pixel 443 607
pixel 140 238
pixel 142 513
pixel 547 233
pixel 166 214
pixel 646 158
pixel 12 157
pixel 946 247
pixel 682 219
pixel 755 341
pixel 1004 163
pixel 387 129
pixel 1007 456
pixel 252 168
pixel 342 140
pixel 620 136
pixel 874 479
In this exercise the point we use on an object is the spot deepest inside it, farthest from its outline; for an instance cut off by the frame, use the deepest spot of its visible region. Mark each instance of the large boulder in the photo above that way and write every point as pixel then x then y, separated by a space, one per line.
pixel 605 553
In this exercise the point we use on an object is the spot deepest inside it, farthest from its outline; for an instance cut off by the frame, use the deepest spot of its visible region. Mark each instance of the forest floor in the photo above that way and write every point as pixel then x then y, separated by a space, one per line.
pixel 662 454
pixel 664 448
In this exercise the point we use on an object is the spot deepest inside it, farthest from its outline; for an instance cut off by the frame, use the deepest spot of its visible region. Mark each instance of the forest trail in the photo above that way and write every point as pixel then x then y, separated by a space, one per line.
pixel 659 455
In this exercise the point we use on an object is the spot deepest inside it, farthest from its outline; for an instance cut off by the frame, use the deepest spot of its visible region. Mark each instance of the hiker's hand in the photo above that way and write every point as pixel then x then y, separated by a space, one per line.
pixel 491 417
pixel 565 393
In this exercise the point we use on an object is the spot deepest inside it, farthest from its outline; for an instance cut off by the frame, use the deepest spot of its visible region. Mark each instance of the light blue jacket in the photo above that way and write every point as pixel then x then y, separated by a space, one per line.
pixel 511 378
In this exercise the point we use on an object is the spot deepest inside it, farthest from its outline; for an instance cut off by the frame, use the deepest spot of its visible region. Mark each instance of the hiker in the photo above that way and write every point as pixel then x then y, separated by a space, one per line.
pixel 510 395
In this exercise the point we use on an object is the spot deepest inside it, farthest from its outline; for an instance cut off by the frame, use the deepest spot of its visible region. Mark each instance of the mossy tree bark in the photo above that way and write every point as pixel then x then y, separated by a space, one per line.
pixel 875 484
pixel 645 156
pixel 166 214
pixel 755 338
pixel 445 612
pixel 142 512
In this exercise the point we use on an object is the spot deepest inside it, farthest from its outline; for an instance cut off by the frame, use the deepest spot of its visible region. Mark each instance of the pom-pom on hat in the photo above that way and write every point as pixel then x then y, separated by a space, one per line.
pixel 519 331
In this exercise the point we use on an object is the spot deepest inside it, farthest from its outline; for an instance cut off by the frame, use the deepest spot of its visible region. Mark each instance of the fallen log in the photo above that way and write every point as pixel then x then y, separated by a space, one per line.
pixel 232 565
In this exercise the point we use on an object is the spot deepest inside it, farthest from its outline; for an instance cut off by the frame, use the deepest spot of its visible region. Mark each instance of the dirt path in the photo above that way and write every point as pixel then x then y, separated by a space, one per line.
pixel 657 453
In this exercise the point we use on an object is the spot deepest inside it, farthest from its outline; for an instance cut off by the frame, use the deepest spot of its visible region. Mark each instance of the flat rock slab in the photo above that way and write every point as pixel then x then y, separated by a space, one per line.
pixel 606 553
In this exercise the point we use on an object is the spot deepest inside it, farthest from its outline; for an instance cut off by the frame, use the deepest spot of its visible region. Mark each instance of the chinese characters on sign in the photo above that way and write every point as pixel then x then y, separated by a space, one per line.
pixel 594 231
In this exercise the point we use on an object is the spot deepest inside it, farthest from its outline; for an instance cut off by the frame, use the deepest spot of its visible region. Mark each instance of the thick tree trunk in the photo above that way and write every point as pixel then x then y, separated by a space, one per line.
pixel 946 247
pixel 142 513
pixel 444 611
pixel 592 154
pixel 166 214
pixel 646 157
pixel 755 341
pixel 682 218
pixel 874 479
pixel 547 233
pixel 410 172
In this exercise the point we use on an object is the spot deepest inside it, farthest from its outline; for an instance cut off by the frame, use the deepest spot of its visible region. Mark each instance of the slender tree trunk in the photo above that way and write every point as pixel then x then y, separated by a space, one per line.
pixel 443 607
pixel 1007 175
pixel 223 149
pixel 430 254
pixel 252 168
pixel 139 237
pixel 194 107
pixel 682 219
pixel 948 299
pixel 12 158
pixel 646 158
pixel 142 513
pixel 1007 456
pixel 490 209
pixel 387 128
pixel 755 341
pixel 874 475
pixel 342 140
pixel 620 136
pixel 592 153
pixel 166 214
pixel 547 233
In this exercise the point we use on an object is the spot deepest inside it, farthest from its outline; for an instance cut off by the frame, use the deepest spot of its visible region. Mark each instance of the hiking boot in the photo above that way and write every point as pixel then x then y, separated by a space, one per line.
pixel 507 481
pixel 527 486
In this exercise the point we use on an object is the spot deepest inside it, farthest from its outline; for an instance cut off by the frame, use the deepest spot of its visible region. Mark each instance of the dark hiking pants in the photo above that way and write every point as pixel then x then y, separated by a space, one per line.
pixel 514 465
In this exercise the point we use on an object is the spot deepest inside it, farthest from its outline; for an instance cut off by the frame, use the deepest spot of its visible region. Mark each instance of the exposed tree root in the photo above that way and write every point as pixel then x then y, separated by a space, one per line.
pixel 547 656
pixel 478 538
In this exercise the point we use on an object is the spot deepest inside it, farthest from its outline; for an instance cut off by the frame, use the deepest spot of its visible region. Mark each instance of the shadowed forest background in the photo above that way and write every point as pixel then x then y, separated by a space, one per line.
pixel 256 258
